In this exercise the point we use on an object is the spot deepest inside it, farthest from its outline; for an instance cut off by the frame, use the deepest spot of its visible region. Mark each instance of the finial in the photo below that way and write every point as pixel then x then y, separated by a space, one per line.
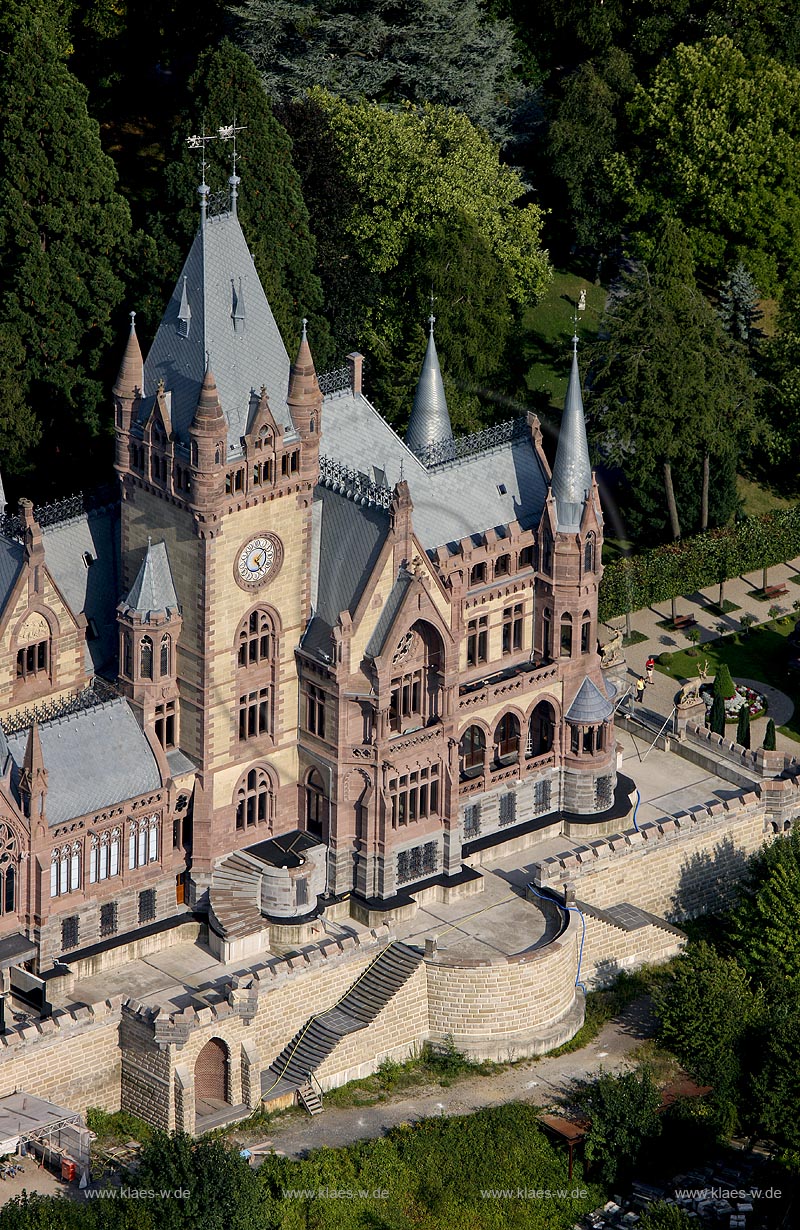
pixel 208 360
pixel 401 469
pixel 431 322
pixel 228 133
pixel 263 390
pixel 304 323
pixel 133 321
pixel 149 542
pixel 200 142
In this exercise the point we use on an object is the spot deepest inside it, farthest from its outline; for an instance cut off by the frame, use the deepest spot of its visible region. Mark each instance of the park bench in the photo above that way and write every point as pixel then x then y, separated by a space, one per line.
pixel 775 591
pixel 684 621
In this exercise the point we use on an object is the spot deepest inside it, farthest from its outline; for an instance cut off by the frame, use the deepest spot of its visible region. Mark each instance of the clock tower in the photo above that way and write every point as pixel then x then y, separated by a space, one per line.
pixel 217 455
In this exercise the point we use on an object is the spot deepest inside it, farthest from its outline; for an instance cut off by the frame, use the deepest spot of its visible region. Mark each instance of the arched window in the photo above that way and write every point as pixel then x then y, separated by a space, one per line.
pixel 254 800
pixel 586 632
pixel 316 803
pixel 256 640
pixel 506 738
pixel 146 658
pixel 502 566
pixel 541 730
pixel 9 857
pixel 472 750
pixel 166 643
pixel 566 635
pixel 588 553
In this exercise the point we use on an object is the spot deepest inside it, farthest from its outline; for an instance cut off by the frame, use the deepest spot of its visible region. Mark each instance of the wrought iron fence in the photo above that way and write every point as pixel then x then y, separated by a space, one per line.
pixel 98 692
pixel 336 381
pixel 71 506
pixel 353 484
pixel 219 203
pixel 441 452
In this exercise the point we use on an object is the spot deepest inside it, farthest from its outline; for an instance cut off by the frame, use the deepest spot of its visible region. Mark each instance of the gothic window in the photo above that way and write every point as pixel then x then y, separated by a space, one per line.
pixel 33 660
pixel 65 869
pixel 588 553
pixel 414 795
pixel 165 724
pixel 566 635
pixel 104 855
pixel 526 556
pixel 512 628
pixel 506 738
pixel 9 859
pixel 541 730
pixel 586 740
pixel 127 654
pixel 256 640
pixel 254 714
pixel 478 575
pixel 254 800
pixel 146 658
pixel 502 566
pixel 586 632
pixel 472 750
pixel 166 647
pixel 315 710
pixel 415 691
pixel 143 841
pixel 316 803
pixel 477 640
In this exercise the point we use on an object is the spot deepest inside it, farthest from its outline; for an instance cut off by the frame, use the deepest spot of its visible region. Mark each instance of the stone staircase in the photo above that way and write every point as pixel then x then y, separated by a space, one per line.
pixel 357 1009
pixel 235 895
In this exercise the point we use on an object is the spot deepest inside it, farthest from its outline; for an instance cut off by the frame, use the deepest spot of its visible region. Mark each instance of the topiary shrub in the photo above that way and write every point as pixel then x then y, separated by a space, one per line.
pixel 769 737
pixel 717 716
pixel 723 683
pixel 743 727
pixel 664 659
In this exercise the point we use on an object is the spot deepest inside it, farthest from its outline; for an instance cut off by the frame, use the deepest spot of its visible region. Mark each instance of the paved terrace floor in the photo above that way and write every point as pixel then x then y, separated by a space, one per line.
pixel 486 925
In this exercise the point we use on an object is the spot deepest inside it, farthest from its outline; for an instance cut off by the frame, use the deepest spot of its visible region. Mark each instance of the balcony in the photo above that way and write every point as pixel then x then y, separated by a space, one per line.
pixel 502 684
pixel 478 781
pixel 400 741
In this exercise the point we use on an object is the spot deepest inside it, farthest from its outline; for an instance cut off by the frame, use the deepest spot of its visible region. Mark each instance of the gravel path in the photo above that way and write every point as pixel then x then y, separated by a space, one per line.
pixel 535 1080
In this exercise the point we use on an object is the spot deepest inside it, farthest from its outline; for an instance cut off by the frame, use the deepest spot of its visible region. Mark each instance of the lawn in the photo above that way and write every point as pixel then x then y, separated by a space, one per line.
pixel 763 655
pixel 757 499
pixel 547 329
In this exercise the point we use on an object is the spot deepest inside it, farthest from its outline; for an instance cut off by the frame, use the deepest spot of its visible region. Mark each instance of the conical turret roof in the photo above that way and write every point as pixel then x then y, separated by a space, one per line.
pixel 153 590
pixel 131 370
pixel 303 384
pixel 572 469
pixel 208 412
pixel 430 418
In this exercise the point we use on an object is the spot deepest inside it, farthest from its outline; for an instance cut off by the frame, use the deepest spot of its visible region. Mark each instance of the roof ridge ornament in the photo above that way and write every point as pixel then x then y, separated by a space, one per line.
pixel 228 133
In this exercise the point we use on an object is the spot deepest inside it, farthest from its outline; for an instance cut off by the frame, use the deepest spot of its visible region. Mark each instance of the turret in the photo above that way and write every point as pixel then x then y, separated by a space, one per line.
pixel 126 391
pixel 150 624
pixel 572 469
pixel 208 433
pixel 430 419
pixel 304 400
pixel 33 777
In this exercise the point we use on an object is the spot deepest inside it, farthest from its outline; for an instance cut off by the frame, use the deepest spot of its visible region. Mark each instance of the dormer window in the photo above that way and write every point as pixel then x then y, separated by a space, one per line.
pixel 88 559
pixel 184 313
pixel 237 307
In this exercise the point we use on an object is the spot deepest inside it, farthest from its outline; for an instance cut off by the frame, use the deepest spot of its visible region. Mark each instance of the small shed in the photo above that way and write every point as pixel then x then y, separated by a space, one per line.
pixel 26 1120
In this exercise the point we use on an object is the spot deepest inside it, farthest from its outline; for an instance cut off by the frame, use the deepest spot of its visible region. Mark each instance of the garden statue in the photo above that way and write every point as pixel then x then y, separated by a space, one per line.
pixel 610 653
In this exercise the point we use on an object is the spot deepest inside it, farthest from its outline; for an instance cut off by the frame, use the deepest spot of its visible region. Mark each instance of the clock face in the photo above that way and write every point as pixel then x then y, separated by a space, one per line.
pixel 257 559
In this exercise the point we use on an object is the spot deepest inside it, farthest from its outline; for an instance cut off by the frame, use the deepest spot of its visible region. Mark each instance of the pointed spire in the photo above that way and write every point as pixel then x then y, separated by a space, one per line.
pixel 130 377
pixel 33 775
pixel 209 411
pixel 572 469
pixel 303 384
pixel 154 589
pixel 430 419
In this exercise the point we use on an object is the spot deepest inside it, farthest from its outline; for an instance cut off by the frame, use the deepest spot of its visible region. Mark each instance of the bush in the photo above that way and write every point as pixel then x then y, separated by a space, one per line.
pixel 723 683
pixel 665 659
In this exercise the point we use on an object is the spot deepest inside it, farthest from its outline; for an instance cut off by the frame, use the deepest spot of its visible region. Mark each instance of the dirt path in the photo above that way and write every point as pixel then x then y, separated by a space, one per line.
pixel 535 1080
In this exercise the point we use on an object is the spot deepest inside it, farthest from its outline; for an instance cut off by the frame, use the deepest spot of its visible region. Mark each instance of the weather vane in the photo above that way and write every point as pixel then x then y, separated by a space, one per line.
pixel 227 132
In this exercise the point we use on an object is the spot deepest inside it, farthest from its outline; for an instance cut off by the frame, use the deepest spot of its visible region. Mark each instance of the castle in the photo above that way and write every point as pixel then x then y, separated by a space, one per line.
pixel 338 653
pixel 299 686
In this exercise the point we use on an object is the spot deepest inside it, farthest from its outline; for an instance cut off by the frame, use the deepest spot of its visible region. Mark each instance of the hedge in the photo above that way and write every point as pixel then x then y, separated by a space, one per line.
pixel 684 567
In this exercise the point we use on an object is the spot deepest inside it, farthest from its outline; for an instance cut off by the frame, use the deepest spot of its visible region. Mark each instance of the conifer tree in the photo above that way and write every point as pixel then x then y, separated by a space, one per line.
pixel 271 208
pixel 743 727
pixel 723 682
pixel 769 737
pixel 65 241
pixel 738 306
pixel 717 716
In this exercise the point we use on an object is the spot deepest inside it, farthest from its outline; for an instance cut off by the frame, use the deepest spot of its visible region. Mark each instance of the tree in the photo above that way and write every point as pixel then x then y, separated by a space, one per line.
pixel 717 137
pixel 716 718
pixel 65 242
pixel 624 1111
pixel 668 388
pixel 739 308
pixel 223 1192
pixel 270 205
pixel 705 1009
pixel 723 682
pixel 664 1216
pixel 419 200
pixel 743 727
pixel 767 921
pixel 416 51
pixel 769 736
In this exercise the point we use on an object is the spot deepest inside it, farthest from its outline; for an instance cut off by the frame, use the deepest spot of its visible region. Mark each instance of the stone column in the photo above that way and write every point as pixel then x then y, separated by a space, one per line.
pixel 251 1075
pixel 184 1100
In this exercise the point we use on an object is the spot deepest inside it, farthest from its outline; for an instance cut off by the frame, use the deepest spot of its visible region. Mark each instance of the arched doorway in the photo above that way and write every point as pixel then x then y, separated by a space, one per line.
pixel 211 1077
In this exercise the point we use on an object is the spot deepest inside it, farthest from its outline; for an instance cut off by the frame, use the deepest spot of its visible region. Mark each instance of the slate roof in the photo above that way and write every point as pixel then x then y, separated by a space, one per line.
pixel 387 617
pixel 590 705
pixel 430 418
pixel 572 469
pixel 11 556
pixel 229 317
pixel 115 760
pixel 348 540
pixel 450 501
pixel 89 588
pixel 153 589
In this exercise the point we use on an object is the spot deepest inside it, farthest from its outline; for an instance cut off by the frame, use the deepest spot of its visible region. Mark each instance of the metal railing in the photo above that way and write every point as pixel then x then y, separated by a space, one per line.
pixel 353 484
pixel 98 692
pixel 443 452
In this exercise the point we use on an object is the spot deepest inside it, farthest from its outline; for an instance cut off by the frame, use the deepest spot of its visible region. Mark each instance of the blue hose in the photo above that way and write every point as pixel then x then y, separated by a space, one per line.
pixel 562 905
pixel 636 808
